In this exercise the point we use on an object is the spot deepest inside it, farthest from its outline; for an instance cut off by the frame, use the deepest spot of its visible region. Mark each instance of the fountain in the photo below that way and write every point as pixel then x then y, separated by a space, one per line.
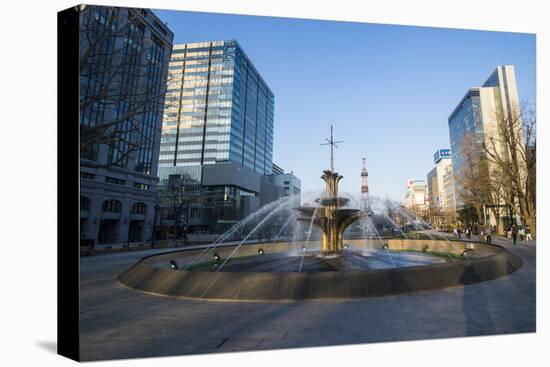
pixel 331 218
pixel 251 270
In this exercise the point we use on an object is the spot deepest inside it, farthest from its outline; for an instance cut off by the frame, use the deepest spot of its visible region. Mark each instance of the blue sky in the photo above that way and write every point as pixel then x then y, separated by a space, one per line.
pixel 388 90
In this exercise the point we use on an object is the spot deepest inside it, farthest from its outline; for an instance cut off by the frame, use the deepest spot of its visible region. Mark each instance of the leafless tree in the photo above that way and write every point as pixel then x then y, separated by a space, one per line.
pixel 473 176
pixel 512 149
pixel 500 193
pixel 122 83
pixel 178 195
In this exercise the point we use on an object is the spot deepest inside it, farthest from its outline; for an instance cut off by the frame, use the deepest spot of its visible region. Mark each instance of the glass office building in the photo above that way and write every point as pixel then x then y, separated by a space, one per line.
pixel 477 115
pixel 465 120
pixel 217 135
pixel 124 56
pixel 218 109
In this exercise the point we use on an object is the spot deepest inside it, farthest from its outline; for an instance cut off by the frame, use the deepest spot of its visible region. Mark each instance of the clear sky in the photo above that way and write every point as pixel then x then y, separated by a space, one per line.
pixel 388 90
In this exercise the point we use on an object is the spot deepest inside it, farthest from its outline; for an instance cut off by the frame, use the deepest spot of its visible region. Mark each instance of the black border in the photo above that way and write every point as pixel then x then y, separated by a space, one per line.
pixel 68 153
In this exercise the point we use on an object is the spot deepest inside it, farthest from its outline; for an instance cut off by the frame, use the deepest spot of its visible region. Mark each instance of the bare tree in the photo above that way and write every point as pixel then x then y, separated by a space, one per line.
pixel 122 83
pixel 389 206
pixel 512 149
pixel 500 193
pixel 178 196
pixel 473 176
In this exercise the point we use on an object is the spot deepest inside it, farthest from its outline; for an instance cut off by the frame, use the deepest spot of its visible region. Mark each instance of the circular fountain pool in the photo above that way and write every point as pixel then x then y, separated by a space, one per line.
pixel 282 271
pixel 316 270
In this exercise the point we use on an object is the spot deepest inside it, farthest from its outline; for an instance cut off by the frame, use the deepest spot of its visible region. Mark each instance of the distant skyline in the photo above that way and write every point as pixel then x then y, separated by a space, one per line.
pixel 388 90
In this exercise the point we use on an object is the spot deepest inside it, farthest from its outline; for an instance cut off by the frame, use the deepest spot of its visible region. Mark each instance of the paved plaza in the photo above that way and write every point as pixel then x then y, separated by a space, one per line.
pixel 118 322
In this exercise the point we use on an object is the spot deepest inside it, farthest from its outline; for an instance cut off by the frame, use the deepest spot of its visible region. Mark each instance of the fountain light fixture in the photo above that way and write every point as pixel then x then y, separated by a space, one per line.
pixel 463 254
pixel 260 251
pixel 217 258
pixel 346 246
pixel 303 248
pixel 173 264
pixel 385 246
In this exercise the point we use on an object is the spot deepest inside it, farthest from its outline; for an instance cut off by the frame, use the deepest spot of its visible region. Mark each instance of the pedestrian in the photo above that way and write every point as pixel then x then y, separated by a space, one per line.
pixel 514 232
pixel 528 236
pixel 521 233
pixel 488 232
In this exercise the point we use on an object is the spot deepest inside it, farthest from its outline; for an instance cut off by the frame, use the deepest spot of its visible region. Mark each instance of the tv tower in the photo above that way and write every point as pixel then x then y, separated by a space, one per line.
pixel 364 187
pixel 364 178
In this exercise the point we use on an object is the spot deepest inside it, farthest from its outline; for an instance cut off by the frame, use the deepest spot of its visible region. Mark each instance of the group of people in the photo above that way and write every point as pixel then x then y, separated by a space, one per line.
pixel 486 232
pixel 524 233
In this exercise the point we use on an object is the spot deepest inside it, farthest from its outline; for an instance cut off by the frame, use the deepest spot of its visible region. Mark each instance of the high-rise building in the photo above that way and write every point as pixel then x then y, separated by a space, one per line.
pixel 416 197
pixel 436 186
pixel 124 55
pixel 218 109
pixel 217 136
pixel 477 115
pixel 449 195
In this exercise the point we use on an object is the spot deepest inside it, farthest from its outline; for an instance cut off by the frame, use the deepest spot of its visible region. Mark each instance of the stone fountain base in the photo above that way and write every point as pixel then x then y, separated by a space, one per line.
pixel 336 281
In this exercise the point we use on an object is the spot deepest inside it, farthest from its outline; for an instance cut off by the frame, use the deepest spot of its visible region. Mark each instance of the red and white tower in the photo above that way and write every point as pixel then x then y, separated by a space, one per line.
pixel 364 179
pixel 365 188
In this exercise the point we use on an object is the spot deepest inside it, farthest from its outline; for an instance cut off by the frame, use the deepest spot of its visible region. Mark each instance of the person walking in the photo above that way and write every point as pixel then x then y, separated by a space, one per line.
pixel 488 232
pixel 521 233
pixel 514 231
pixel 528 236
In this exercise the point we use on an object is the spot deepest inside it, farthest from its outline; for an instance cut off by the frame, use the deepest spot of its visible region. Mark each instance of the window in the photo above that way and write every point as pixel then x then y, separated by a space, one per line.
pixel 160 28
pixel 112 205
pixel 115 181
pixel 87 176
pixel 141 186
pixel 84 203
pixel 139 208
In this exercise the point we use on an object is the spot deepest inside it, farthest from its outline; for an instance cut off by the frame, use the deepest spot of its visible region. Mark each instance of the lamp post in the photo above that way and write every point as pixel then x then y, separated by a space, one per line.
pixel 157 208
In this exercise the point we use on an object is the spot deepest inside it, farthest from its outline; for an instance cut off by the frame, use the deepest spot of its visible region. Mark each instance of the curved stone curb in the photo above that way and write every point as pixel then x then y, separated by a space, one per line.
pixel 279 286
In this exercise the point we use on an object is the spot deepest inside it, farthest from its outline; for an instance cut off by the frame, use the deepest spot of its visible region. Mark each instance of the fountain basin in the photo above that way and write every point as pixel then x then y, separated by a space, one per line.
pixel 485 262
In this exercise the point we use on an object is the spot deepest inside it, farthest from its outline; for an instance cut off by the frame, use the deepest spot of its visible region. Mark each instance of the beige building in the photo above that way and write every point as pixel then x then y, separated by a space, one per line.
pixel 416 198
pixel 449 194
pixel 478 114
pixel 437 197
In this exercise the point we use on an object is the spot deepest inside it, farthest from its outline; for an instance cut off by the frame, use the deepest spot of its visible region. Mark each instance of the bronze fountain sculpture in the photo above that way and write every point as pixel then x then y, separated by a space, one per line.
pixel 330 216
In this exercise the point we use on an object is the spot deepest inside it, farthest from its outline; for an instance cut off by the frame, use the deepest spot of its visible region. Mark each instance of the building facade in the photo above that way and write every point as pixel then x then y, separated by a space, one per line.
pixel 217 137
pixel 449 195
pixel 290 184
pixel 476 119
pixel 124 55
pixel 416 197
pixel 218 109
pixel 436 186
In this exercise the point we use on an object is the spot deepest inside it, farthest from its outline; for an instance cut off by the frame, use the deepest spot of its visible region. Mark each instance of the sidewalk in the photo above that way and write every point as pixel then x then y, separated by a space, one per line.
pixel 496 239
pixel 501 240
